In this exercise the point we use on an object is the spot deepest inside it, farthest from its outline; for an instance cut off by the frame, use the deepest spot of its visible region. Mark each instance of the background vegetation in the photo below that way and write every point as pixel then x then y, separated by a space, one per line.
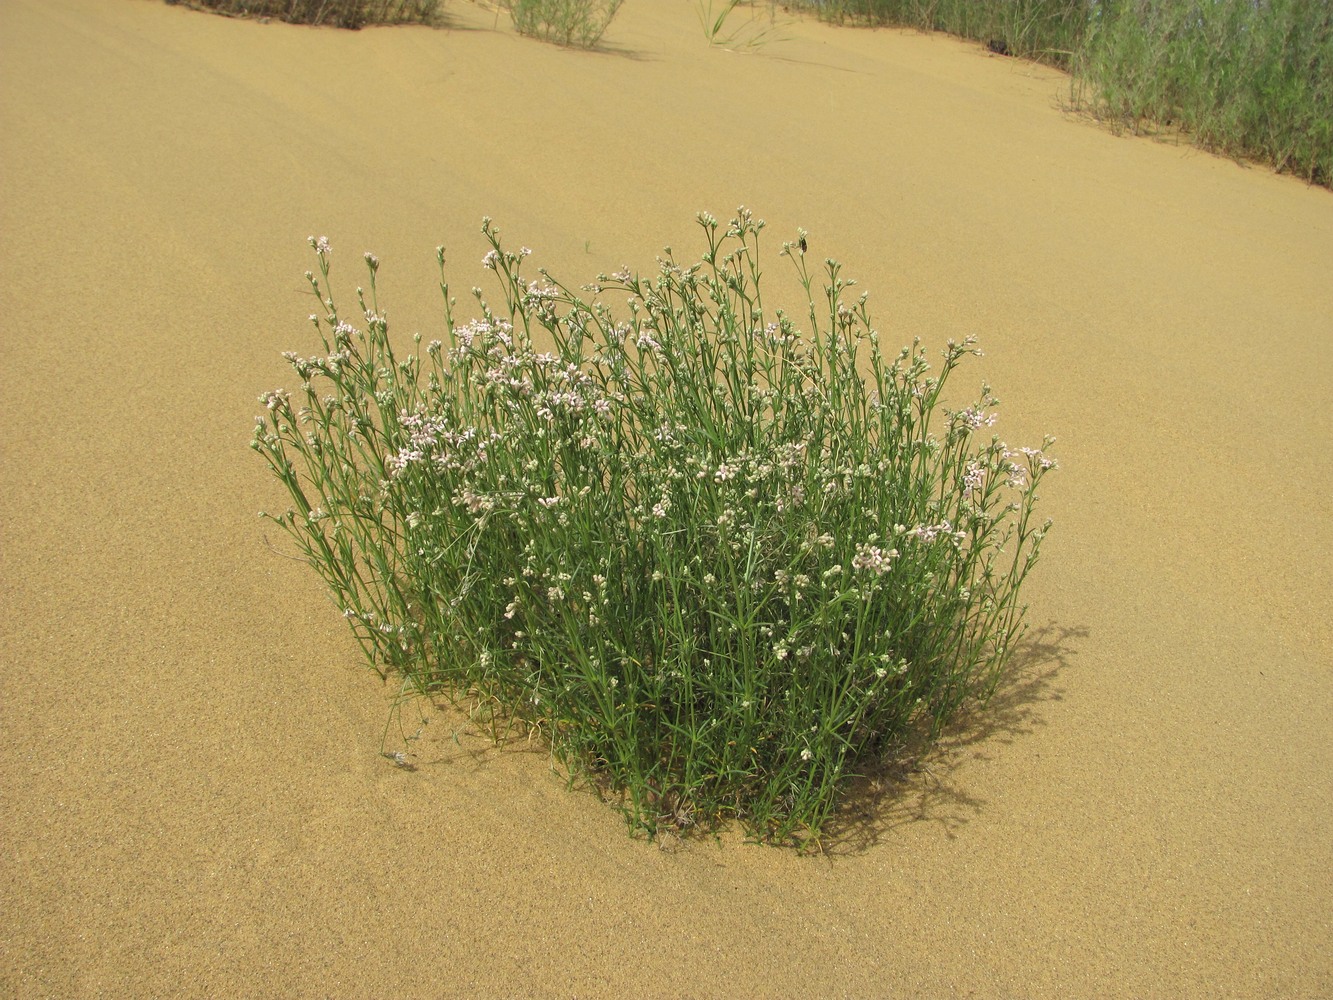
pixel 338 13
pixel 1248 78
pixel 578 23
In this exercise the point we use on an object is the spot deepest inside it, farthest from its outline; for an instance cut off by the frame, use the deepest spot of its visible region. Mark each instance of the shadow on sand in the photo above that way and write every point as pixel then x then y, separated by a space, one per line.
pixel 919 787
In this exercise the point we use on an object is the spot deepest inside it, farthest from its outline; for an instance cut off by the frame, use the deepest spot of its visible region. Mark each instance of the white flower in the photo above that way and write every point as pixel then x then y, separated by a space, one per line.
pixel 807 754
pixel 974 418
pixel 873 558
pixel 1035 455
pixel 974 479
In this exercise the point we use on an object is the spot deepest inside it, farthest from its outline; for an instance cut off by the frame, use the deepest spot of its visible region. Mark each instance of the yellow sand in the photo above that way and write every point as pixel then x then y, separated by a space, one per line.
pixel 193 802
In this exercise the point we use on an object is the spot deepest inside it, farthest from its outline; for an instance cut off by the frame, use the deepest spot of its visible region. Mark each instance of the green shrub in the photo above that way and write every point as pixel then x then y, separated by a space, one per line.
pixel 718 564
pixel 565 22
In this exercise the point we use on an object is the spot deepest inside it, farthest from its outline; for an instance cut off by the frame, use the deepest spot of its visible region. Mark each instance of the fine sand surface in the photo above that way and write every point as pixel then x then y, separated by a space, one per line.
pixel 193 799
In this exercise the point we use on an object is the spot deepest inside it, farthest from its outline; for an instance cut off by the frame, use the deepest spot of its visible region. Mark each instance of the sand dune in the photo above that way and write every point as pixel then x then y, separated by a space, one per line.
pixel 193 800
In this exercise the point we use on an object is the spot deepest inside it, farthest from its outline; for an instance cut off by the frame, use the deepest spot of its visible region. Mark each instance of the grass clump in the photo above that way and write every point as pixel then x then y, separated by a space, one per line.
pixel 1048 30
pixel 566 22
pixel 720 564
pixel 337 13
pixel 1243 78
pixel 1247 78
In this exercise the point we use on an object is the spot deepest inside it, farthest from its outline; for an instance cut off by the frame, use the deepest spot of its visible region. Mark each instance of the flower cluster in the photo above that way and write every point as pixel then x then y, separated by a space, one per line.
pixel 873 559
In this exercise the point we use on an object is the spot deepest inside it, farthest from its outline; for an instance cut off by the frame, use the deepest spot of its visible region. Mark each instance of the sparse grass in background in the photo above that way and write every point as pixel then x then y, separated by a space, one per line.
pixel 338 13
pixel 1247 78
pixel 719 564
pixel 566 22
pixel 1034 29
pixel 723 31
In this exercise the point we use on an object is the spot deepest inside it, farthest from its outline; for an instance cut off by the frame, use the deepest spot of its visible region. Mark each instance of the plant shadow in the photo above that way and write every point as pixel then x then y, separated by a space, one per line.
pixel 915 786
pixel 918 786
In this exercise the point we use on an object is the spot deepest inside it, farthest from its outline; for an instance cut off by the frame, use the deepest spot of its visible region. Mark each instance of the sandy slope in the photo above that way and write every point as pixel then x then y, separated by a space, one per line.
pixel 192 800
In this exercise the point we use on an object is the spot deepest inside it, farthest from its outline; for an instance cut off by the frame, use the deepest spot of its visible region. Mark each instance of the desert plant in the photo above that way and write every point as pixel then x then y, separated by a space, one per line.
pixel 720 30
pixel 338 13
pixel 565 22
pixel 1039 29
pixel 1242 78
pixel 720 565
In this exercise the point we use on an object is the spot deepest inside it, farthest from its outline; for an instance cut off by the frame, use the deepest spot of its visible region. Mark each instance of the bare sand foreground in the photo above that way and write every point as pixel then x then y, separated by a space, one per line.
pixel 193 802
